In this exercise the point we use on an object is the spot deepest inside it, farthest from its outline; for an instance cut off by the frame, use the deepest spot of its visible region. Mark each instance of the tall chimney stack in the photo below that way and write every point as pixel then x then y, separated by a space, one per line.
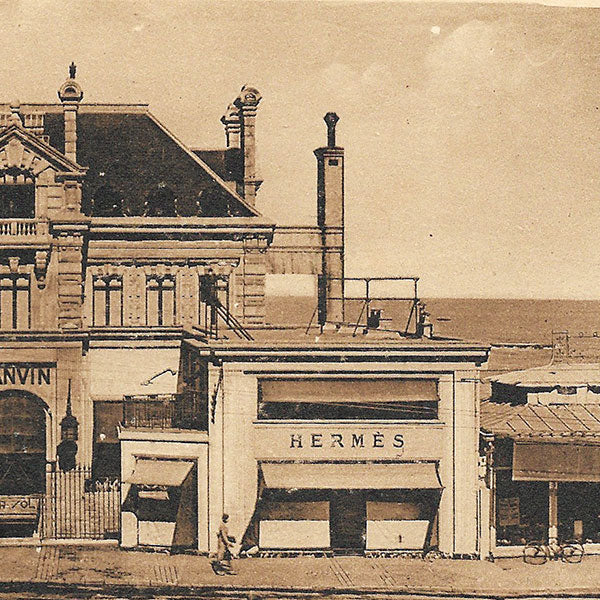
pixel 70 95
pixel 233 126
pixel 330 219
pixel 247 103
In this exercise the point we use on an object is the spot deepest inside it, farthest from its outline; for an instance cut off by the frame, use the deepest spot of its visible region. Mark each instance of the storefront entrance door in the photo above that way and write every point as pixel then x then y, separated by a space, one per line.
pixel 347 519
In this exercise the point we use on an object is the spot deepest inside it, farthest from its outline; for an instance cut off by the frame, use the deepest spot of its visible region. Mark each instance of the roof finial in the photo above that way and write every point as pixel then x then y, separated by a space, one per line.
pixel 72 70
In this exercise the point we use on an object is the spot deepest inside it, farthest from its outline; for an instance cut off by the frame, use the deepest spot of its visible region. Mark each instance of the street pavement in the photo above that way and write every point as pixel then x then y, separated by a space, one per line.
pixel 99 572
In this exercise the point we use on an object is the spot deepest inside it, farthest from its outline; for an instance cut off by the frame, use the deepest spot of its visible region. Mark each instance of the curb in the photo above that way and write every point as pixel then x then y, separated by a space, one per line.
pixel 83 591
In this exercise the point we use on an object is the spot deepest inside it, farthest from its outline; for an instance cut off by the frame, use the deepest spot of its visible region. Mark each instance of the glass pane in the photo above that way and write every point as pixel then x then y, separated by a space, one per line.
pixel 168 307
pixel 6 308
pixel 99 307
pixel 152 305
pixel 116 299
pixel 23 308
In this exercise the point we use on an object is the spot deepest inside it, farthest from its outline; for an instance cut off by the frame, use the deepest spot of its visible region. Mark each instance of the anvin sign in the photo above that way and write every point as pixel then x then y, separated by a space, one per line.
pixel 347 440
pixel 16 375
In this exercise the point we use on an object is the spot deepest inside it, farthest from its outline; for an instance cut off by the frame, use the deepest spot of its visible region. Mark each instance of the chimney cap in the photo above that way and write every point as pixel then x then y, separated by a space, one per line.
pixel 248 96
pixel 331 120
pixel 232 114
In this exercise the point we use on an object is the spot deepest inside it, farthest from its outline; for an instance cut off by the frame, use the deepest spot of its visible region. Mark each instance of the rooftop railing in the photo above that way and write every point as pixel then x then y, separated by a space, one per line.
pixel 22 227
pixel 165 411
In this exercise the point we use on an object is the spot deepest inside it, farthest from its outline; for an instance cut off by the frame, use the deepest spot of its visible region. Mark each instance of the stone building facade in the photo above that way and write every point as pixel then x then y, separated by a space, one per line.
pixel 135 342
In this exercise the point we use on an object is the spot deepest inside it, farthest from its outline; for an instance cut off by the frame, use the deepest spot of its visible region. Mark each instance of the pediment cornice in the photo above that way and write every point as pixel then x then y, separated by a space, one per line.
pixel 22 152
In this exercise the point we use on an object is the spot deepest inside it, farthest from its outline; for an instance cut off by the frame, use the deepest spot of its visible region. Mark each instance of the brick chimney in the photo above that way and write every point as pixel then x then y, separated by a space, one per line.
pixel 330 219
pixel 233 126
pixel 70 95
pixel 247 103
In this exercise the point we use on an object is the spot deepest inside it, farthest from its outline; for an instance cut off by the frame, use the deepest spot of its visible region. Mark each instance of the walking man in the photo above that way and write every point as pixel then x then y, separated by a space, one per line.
pixel 225 542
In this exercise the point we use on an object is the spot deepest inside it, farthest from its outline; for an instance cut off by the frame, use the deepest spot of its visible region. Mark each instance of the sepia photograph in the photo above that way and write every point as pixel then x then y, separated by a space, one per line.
pixel 299 299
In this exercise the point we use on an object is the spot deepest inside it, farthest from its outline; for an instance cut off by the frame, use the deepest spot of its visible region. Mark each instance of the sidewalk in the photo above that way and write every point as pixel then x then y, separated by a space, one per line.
pixel 108 567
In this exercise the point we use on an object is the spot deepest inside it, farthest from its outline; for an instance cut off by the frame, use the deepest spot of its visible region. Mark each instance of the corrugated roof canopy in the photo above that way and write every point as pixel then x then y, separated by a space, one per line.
pixel 535 420
pixel 549 376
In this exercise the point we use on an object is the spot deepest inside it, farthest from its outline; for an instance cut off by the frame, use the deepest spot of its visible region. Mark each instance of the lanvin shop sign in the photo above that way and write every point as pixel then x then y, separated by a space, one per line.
pixel 26 374
pixel 347 440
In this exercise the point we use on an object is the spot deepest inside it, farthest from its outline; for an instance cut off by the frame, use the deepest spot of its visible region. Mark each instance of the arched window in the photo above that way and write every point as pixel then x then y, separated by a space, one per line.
pixel 160 300
pixel 161 202
pixel 107 202
pixel 23 440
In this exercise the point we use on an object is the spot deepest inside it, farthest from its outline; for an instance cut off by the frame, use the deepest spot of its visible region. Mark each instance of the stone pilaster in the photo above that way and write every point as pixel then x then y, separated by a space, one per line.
pixel 134 297
pixel 186 287
pixel 70 281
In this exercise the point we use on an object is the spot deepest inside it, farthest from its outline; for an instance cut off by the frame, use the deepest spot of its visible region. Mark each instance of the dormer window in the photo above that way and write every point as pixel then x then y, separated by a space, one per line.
pixel 161 202
pixel 107 202
pixel 17 199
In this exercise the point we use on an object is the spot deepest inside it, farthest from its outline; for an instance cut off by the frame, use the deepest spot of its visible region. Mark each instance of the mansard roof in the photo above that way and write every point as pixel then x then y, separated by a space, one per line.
pixel 125 148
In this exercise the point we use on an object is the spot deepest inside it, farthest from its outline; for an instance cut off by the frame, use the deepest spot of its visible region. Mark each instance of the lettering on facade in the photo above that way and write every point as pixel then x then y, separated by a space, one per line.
pixel 25 374
pixel 346 440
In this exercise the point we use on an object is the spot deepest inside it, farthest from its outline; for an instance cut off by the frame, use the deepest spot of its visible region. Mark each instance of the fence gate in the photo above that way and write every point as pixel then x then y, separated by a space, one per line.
pixel 76 506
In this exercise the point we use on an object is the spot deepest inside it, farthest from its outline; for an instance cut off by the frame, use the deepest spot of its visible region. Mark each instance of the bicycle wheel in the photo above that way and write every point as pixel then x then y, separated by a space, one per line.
pixel 534 553
pixel 572 551
pixel 432 555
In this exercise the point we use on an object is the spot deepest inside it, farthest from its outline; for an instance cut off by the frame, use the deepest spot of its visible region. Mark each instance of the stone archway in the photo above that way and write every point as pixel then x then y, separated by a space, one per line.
pixel 22 443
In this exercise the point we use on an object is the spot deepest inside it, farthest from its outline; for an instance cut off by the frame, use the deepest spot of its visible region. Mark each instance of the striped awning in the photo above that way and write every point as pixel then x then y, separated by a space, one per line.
pixel 556 461
pixel 169 473
pixel 345 476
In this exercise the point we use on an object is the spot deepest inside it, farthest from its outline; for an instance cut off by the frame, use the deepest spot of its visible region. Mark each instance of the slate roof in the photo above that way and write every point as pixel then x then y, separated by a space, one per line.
pixel 536 420
pixel 550 376
pixel 128 150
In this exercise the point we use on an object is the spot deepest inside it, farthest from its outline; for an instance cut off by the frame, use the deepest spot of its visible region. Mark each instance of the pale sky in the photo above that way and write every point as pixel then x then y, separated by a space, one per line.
pixel 471 130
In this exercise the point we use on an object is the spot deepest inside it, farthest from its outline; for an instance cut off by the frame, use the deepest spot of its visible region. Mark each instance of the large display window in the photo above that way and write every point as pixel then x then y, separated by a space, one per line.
pixel 348 399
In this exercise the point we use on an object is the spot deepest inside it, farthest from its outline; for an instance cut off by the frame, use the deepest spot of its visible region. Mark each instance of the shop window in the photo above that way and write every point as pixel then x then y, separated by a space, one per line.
pixel 521 510
pixel 107 301
pixel 578 512
pixel 14 302
pixel 17 201
pixel 348 399
pixel 160 300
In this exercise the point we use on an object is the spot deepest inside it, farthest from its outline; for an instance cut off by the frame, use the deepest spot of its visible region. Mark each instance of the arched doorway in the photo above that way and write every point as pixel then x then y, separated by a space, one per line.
pixel 22 443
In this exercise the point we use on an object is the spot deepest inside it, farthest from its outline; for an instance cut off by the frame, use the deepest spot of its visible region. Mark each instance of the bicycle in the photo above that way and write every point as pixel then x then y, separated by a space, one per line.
pixel 538 553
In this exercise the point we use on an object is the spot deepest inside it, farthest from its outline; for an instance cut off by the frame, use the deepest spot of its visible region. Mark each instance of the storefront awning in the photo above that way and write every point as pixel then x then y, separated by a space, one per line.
pixel 170 473
pixel 553 461
pixel 342 476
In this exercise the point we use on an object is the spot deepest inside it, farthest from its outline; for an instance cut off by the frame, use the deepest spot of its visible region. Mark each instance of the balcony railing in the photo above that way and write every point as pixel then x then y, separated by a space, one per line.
pixel 22 227
pixel 165 411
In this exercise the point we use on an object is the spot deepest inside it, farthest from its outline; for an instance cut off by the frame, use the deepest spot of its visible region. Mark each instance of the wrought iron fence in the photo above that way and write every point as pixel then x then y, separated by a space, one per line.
pixel 76 506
